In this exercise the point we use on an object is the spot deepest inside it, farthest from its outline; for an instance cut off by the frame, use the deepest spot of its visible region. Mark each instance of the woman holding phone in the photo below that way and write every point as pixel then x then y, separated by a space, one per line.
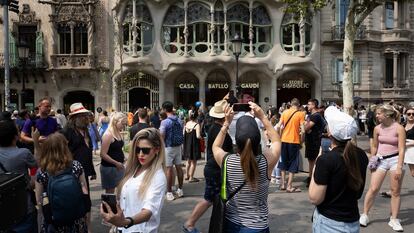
pixel 141 192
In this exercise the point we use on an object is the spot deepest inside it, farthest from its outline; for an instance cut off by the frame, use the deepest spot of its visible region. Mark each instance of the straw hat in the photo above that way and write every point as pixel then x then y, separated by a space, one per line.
pixel 218 110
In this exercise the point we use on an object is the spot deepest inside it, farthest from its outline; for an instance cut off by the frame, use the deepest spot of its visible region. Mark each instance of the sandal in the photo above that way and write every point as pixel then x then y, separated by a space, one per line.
pixel 194 230
pixel 294 190
pixel 194 180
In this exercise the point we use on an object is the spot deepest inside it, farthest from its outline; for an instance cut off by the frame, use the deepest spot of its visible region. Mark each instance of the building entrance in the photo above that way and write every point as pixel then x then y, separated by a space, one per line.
pixel 217 86
pixel 294 85
pixel 139 98
pixel 83 97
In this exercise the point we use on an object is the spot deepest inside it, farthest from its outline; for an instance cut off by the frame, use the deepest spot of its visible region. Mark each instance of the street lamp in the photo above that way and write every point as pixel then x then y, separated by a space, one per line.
pixel 23 49
pixel 236 47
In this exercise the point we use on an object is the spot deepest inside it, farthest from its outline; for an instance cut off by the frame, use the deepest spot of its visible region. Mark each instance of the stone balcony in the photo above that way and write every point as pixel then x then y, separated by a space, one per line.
pixel 72 61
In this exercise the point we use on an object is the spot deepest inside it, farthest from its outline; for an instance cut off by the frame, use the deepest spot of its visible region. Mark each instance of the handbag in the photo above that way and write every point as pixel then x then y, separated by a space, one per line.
pixel 219 203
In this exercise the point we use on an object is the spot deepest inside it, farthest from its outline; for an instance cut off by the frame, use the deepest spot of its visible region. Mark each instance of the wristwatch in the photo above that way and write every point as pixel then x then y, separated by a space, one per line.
pixel 130 224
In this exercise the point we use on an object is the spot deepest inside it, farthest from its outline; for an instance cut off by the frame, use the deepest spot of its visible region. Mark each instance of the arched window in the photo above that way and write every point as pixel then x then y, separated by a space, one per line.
pixel 144 29
pixel 290 35
pixel 173 30
pixel 238 17
pixel 262 29
pixel 198 22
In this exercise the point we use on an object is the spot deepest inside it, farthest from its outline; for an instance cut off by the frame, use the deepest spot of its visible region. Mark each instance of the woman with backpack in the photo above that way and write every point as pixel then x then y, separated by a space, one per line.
pixel 192 136
pixel 247 172
pixel 141 192
pixel 112 156
pixel 60 187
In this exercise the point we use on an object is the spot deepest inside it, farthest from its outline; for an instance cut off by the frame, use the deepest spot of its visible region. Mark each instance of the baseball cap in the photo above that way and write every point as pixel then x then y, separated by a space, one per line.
pixel 246 128
pixel 341 126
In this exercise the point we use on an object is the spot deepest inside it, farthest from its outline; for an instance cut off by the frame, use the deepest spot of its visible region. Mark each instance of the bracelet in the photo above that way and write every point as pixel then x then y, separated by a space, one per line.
pixel 131 222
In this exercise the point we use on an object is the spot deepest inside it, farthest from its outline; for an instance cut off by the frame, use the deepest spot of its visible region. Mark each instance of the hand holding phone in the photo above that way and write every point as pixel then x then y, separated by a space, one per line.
pixel 110 199
pixel 237 107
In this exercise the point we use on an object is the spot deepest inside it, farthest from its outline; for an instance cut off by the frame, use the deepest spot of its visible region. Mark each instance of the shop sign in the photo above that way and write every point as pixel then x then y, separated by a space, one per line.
pixel 250 85
pixel 295 84
pixel 186 86
pixel 218 86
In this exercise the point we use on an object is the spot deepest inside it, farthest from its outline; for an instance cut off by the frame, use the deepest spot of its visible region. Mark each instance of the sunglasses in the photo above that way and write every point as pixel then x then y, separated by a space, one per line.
pixel 410 114
pixel 145 150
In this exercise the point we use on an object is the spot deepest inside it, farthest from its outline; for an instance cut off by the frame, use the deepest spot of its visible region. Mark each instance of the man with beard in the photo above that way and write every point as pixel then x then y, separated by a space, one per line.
pixel 80 144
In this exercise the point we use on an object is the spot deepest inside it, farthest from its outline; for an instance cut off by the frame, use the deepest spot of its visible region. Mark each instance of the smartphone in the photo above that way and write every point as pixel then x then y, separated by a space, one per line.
pixel 241 107
pixel 111 200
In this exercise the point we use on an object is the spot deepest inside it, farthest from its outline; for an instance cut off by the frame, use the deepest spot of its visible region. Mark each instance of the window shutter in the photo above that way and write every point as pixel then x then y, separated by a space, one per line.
pixel 356 79
pixel 39 49
pixel 334 71
pixel 12 51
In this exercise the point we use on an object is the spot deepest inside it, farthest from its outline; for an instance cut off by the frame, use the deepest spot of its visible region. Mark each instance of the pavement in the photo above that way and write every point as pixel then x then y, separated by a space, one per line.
pixel 288 213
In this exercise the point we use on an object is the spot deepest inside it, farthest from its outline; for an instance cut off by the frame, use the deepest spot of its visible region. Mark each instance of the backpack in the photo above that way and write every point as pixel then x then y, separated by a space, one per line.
pixel 176 137
pixel 66 198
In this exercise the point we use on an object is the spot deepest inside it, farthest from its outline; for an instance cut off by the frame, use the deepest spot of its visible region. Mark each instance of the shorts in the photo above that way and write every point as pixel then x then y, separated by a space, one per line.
pixel 173 156
pixel 289 159
pixel 212 189
pixel 311 153
pixel 388 164
pixel 110 177
pixel 322 224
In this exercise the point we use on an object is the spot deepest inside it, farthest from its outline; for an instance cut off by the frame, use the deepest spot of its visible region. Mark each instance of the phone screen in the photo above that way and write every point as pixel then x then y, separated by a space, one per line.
pixel 111 200
pixel 241 107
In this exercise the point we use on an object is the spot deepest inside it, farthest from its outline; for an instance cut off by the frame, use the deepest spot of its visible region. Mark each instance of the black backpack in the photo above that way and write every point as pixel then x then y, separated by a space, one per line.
pixel 66 198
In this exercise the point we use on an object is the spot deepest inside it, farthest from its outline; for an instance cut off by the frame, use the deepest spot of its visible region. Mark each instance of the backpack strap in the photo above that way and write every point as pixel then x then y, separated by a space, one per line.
pixel 3 168
pixel 290 118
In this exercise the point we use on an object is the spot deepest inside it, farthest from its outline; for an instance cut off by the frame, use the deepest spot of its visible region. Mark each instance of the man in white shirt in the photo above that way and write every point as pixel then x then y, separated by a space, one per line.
pixel 60 118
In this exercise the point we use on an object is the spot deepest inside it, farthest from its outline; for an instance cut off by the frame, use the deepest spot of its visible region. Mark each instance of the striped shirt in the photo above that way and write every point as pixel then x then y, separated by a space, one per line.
pixel 248 207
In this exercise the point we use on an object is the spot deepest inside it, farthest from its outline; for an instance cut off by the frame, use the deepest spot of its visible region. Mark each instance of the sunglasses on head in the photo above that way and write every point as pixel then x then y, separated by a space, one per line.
pixel 145 150
pixel 410 114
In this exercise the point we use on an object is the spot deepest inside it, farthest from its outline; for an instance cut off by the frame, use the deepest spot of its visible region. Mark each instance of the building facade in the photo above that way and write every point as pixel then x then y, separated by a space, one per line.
pixel 133 53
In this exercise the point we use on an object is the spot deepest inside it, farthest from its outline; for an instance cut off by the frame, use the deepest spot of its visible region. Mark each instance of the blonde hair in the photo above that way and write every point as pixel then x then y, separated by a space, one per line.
pixel 389 111
pixel 132 165
pixel 55 155
pixel 115 118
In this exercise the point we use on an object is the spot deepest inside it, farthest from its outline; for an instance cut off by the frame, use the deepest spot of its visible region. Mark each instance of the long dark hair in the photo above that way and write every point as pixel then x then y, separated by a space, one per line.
pixel 353 170
pixel 249 164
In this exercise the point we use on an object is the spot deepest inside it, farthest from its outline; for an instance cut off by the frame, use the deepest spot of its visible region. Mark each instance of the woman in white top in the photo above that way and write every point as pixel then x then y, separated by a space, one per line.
pixel 141 192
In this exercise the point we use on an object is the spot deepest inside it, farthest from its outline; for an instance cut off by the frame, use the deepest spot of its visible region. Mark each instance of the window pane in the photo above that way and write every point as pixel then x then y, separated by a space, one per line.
pixel 389 15
pixel 340 70
pixel 389 70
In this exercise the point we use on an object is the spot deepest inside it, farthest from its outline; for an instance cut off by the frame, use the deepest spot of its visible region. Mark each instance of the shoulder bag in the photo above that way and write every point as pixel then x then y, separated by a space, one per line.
pixel 219 203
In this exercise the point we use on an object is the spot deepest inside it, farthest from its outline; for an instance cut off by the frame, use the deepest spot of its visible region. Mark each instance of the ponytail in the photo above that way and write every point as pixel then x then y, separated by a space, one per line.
pixel 249 164
pixel 354 180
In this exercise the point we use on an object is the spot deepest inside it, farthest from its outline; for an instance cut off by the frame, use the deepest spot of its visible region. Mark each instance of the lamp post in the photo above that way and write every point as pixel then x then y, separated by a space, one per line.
pixel 23 49
pixel 236 43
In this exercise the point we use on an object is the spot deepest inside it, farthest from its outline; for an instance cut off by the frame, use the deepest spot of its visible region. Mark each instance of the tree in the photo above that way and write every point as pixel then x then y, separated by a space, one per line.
pixel 358 10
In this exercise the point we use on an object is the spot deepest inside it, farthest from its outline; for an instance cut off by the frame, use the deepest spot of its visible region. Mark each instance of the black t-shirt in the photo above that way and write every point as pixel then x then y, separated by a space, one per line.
pixel 330 170
pixel 80 150
pixel 136 128
pixel 313 138
pixel 212 169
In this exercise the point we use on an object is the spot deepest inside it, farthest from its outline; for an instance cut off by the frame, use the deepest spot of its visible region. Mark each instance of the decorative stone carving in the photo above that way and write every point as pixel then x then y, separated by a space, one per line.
pixel 27 16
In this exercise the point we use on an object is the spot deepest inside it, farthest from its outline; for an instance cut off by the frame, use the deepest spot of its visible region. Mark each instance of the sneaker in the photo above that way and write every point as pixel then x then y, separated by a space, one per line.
pixel 395 224
pixel 179 193
pixel 170 196
pixel 273 180
pixel 278 181
pixel 363 220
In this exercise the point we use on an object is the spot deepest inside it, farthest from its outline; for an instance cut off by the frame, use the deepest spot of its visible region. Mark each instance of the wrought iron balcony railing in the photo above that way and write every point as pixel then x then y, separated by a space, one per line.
pixel 338 32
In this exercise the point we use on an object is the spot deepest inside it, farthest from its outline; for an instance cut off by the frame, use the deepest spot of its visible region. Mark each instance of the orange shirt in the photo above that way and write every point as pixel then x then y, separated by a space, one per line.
pixel 291 131
pixel 130 117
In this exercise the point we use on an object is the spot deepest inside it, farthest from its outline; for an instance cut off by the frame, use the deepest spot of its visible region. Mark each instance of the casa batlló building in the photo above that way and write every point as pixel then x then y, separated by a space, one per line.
pixel 134 53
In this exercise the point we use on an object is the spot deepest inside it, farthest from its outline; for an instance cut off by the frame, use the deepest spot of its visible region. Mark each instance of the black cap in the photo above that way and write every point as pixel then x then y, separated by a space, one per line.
pixel 246 128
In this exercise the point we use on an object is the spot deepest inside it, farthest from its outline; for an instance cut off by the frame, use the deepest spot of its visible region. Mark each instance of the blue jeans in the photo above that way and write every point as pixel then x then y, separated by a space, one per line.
pixel 322 224
pixel 231 227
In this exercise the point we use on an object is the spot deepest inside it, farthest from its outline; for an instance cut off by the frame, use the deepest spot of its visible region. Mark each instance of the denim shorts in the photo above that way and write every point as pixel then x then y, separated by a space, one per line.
pixel 231 227
pixel 173 156
pixel 322 224
pixel 289 159
pixel 212 188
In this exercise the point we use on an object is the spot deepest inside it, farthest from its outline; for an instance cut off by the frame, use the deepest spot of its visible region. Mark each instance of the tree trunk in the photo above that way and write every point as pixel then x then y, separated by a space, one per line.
pixel 348 59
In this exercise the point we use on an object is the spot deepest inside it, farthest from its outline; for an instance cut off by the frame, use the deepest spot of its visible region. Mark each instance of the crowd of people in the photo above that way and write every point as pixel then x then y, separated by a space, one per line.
pixel 245 151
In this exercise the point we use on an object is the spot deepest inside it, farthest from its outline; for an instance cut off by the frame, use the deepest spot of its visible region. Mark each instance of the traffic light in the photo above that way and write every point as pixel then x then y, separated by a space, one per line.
pixel 14 6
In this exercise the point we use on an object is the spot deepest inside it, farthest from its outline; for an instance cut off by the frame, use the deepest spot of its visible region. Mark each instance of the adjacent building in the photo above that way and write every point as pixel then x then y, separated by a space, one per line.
pixel 133 53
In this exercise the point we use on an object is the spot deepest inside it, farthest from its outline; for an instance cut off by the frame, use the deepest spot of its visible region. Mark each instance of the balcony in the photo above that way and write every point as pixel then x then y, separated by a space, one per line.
pixel 72 61
pixel 35 61
pixel 338 32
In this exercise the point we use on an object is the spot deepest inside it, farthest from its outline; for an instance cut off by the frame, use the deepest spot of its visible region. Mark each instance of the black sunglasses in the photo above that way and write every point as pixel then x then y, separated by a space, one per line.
pixel 145 150
pixel 410 114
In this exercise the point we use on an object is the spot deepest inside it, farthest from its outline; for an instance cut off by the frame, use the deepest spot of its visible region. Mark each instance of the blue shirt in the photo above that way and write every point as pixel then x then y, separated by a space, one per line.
pixel 46 126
